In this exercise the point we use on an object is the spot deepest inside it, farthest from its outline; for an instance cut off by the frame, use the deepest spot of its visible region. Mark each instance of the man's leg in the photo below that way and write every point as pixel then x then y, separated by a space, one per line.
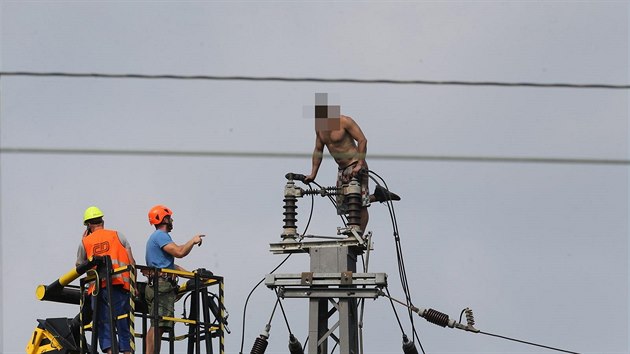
pixel 382 195
pixel 150 337
pixel 365 217
pixel 120 299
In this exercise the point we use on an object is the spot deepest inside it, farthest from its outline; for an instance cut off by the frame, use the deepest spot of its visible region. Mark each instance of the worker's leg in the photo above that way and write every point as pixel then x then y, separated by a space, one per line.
pixel 365 217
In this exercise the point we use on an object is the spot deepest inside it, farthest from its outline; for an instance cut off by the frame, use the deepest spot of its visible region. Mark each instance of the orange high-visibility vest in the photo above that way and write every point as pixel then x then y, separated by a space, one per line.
pixel 106 242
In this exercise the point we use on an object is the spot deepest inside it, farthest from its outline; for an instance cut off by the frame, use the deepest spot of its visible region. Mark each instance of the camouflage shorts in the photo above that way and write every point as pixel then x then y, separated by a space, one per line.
pixel 166 301
pixel 342 175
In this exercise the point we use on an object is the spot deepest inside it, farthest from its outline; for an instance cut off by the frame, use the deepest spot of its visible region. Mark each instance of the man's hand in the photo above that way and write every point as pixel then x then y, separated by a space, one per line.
pixel 197 239
pixel 310 178
pixel 356 170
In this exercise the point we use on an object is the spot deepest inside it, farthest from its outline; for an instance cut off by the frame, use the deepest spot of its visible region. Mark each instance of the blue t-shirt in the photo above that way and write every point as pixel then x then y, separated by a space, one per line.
pixel 155 256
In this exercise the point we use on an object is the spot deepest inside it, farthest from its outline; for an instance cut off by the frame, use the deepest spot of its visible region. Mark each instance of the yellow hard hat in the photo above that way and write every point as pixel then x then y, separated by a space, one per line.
pixel 92 213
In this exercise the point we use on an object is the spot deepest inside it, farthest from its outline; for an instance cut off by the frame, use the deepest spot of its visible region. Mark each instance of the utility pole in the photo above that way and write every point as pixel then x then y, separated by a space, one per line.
pixel 332 286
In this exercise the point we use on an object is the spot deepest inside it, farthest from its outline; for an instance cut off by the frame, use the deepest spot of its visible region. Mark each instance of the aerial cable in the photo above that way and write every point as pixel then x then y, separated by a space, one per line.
pixel 401 267
pixel 528 343
pixel 273 311
pixel 310 215
pixel 399 254
pixel 314 79
pixel 286 155
pixel 250 294
pixel 391 300
pixel 283 313
pixel 361 304
pixel 405 338
pixel 443 320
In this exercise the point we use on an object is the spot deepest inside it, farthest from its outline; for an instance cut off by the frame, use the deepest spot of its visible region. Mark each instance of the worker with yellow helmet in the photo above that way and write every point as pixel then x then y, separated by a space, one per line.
pixel 98 241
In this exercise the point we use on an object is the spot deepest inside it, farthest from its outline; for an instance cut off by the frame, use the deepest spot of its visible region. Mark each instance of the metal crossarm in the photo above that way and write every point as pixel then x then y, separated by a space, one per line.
pixel 328 293
pixel 326 279
pixel 304 247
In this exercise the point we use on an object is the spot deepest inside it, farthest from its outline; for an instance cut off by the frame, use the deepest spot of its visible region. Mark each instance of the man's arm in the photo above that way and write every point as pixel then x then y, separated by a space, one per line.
pixel 125 243
pixel 81 255
pixel 181 251
pixel 318 155
pixel 356 133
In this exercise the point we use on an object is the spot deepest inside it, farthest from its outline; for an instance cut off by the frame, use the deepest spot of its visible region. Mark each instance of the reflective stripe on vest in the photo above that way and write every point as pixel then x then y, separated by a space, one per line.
pixel 106 242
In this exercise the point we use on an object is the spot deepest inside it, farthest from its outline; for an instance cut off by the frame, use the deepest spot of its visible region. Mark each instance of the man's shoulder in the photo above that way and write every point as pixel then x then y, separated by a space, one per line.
pixel 102 231
pixel 347 120
pixel 160 235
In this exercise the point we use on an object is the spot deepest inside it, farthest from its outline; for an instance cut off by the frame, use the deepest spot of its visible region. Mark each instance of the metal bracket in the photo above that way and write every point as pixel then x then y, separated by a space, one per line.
pixel 346 278
pixel 307 278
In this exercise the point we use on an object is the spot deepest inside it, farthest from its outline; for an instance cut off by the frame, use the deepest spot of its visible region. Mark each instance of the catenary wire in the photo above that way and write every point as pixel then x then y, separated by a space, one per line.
pixel 315 79
pixel 284 155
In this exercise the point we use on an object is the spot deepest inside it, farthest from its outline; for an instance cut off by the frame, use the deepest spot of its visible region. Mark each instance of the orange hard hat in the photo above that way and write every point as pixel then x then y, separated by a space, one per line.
pixel 158 213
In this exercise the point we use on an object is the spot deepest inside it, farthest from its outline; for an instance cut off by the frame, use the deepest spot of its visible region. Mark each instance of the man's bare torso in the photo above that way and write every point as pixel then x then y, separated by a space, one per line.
pixel 340 144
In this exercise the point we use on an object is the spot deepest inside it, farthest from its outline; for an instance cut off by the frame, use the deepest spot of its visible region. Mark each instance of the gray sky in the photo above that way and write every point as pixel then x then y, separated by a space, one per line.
pixel 538 250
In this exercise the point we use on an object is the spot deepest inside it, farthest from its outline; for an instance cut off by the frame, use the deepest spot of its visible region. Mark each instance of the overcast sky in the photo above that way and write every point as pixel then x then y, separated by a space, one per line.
pixel 538 250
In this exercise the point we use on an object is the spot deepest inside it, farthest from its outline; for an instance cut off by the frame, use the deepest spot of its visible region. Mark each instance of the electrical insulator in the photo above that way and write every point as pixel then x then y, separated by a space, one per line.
pixel 408 347
pixel 289 229
pixel 470 318
pixel 295 347
pixel 353 201
pixel 260 344
pixel 437 317
pixel 441 319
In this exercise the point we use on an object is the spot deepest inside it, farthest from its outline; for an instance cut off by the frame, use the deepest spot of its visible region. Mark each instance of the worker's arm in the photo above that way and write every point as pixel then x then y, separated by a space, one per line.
pixel 356 133
pixel 125 243
pixel 180 268
pixel 81 255
pixel 318 154
pixel 181 251
pixel 131 259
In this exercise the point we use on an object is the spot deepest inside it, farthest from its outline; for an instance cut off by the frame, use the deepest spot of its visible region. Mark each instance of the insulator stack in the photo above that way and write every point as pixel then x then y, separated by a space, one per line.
pixel 436 317
pixel 353 200
pixel 260 345
pixel 290 213
pixel 470 318
pixel 408 346
pixel 295 347
pixel 289 229
pixel 324 191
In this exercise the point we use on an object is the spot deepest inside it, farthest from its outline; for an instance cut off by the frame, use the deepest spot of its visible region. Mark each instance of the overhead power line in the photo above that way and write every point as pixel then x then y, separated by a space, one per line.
pixel 271 154
pixel 314 79
pixel 527 342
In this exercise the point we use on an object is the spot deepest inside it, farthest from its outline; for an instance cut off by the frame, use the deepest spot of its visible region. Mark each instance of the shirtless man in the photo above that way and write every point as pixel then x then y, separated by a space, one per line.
pixel 345 141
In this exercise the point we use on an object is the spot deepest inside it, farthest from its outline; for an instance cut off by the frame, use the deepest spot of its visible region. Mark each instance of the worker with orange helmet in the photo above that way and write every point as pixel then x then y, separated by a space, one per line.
pixel 161 252
pixel 98 241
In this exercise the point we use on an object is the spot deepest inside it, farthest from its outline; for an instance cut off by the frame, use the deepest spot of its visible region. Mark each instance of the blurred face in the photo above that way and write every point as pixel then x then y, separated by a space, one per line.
pixel 327 118
pixel 168 220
